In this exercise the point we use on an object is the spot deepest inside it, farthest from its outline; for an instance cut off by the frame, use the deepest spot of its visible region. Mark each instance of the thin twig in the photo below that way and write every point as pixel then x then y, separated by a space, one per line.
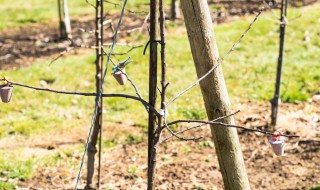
pixel 109 21
pixel 224 125
pixel 128 51
pixel 132 84
pixel 69 48
pixel 187 129
pixel 91 4
pixel 129 10
pixel 61 55
pixel 140 29
pixel 87 94
pixel 176 134
pixel 271 9
pixel 219 61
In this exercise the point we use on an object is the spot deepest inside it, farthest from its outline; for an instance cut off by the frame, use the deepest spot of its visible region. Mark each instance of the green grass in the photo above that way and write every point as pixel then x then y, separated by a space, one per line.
pixel 21 164
pixel 25 12
pixel 249 72
pixel 17 165
pixel 315 187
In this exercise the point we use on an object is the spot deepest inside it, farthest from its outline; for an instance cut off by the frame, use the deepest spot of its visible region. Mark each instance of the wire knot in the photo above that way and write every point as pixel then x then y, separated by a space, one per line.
pixel 120 66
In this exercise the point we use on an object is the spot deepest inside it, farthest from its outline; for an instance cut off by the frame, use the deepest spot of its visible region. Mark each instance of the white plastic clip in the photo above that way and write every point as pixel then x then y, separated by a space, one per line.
pixel 161 112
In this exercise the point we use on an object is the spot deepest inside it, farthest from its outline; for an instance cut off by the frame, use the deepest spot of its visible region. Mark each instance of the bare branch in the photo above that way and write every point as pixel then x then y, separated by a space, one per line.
pixel 129 10
pixel 225 125
pixel 61 55
pixel 109 21
pixel 74 46
pixel 197 126
pixel 86 94
pixel 140 29
pixel 124 53
pixel 176 134
pixel 87 1
pixel 132 84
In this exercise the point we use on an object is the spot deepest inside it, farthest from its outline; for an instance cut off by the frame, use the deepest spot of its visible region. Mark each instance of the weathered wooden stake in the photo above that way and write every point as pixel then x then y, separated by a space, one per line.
pixel 205 54
pixel 92 150
pixel 276 98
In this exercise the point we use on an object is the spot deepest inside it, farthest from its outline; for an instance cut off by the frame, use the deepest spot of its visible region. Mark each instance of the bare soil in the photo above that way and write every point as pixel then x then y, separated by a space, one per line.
pixel 194 165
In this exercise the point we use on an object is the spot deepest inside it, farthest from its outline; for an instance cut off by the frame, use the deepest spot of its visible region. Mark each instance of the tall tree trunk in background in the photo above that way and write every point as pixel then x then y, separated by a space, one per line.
pixel 64 20
pixel 276 98
pixel 175 10
pixel 205 54
pixel 92 150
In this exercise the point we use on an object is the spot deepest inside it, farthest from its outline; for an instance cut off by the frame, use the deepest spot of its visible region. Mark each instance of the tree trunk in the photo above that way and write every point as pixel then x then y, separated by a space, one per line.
pixel 152 86
pixel 92 150
pixel 205 54
pixel 64 20
pixel 276 98
pixel 175 10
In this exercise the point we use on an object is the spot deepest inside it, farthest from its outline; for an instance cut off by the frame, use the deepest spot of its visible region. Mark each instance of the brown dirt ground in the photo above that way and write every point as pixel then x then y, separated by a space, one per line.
pixel 194 165
pixel 181 165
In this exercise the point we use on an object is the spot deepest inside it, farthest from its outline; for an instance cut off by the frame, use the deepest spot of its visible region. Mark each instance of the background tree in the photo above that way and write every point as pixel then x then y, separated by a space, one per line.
pixel 175 10
pixel 64 20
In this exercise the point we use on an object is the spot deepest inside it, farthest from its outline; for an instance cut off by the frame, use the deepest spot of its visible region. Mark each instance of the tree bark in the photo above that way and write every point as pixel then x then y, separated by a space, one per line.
pixel 205 54
pixel 175 10
pixel 152 86
pixel 92 150
pixel 276 98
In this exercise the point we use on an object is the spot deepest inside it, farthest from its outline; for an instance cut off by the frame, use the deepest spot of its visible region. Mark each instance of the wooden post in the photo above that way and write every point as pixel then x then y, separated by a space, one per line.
pixel 205 54
pixel 276 98
pixel 92 150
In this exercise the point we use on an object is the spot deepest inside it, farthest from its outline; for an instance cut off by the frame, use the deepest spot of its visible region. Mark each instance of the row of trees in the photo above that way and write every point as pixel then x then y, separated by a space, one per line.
pixel 208 67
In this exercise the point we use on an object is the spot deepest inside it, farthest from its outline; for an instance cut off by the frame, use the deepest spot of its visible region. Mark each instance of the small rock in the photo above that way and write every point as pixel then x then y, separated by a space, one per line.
pixel 43 83
pixel 174 153
pixel 307 39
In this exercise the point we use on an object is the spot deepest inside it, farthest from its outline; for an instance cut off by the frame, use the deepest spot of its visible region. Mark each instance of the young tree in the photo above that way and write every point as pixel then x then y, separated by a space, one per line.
pixel 92 150
pixel 205 54
pixel 276 98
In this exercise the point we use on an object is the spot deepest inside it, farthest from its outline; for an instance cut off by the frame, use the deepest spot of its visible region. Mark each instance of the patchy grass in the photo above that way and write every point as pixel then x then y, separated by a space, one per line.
pixel 20 165
pixel 251 69
pixel 34 11
pixel 250 74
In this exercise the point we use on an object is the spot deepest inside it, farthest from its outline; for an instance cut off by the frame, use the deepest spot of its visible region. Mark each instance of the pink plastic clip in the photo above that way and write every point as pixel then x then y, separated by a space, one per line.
pixel 277 134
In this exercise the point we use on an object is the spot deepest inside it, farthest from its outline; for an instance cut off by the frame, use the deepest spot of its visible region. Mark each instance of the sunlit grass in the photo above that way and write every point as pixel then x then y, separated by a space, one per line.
pixel 33 11
pixel 249 71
